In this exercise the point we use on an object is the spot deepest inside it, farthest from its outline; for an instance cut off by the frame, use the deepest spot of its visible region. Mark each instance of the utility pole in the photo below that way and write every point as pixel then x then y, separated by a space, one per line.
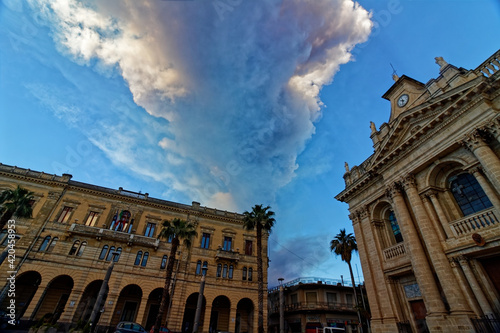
pixel 199 305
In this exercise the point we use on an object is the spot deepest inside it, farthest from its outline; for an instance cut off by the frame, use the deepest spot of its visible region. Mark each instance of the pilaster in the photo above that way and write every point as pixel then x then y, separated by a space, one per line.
pixel 420 265
pixel 458 305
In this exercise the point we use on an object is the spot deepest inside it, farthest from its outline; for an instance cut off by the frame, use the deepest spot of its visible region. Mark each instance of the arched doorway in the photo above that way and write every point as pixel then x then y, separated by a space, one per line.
pixel 190 312
pixel 219 318
pixel 244 316
pixel 127 305
pixel 87 302
pixel 55 297
pixel 153 307
pixel 26 286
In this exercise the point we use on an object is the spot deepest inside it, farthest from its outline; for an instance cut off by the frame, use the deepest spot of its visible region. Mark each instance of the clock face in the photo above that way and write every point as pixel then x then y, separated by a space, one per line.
pixel 403 100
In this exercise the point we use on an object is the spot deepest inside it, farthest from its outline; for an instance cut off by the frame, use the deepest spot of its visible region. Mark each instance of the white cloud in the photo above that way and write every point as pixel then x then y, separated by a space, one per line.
pixel 240 89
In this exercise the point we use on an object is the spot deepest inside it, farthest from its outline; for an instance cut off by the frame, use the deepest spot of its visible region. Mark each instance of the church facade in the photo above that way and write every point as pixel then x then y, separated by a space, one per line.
pixel 64 251
pixel 425 206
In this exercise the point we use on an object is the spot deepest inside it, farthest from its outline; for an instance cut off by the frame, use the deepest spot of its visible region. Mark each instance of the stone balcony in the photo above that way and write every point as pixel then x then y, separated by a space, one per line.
pixel 315 306
pixel 470 224
pixel 227 255
pixel 395 251
pixel 100 233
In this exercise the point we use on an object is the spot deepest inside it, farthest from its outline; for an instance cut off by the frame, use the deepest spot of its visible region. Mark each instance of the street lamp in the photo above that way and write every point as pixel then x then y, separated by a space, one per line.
pixel 102 292
pixel 282 310
pixel 200 298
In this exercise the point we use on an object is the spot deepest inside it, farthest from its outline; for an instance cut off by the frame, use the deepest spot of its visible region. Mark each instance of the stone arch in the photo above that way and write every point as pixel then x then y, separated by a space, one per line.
pixel 245 311
pixel 382 214
pixel 26 286
pixel 127 304
pixel 54 298
pixel 438 175
pixel 219 318
pixel 190 311
pixel 87 301
pixel 153 306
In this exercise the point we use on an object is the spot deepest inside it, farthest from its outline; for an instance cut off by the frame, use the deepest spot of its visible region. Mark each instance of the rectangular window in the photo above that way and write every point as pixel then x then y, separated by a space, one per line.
pixel 294 298
pixel 227 244
pixel 349 299
pixel 331 297
pixel 205 241
pixel 248 247
pixel 150 229
pixel 92 219
pixel 65 214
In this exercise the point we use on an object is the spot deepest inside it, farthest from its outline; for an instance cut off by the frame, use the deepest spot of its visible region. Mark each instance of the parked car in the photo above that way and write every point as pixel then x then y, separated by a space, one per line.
pixel 129 327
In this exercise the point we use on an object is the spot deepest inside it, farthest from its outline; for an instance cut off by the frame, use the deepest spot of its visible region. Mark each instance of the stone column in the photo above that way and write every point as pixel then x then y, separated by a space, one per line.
pixel 35 302
pixel 371 288
pixel 69 311
pixel 488 159
pixel 462 282
pixel 476 288
pixel 232 318
pixel 485 185
pixel 434 218
pixel 420 265
pixel 383 315
pixel 440 213
pixel 438 258
pixel 142 309
pixel 205 326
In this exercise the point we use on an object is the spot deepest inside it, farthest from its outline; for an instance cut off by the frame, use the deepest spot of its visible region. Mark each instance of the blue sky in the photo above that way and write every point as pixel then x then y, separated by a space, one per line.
pixel 230 103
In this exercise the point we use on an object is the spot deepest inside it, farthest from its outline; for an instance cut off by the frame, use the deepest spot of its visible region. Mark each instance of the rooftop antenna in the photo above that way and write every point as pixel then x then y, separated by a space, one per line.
pixel 395 76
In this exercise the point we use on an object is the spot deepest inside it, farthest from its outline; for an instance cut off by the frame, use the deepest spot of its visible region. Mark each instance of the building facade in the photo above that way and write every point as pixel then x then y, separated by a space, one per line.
pixel 425 206
pixel 310 303
pixel 64 250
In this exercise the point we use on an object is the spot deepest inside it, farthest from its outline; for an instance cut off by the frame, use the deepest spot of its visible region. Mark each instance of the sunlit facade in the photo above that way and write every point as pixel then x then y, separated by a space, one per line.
pixel 64 251
pixel 425 206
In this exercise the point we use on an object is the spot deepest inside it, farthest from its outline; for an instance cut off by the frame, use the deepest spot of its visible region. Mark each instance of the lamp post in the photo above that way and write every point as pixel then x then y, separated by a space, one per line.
pixel 102 292
pixel 200 299
pixel 282 310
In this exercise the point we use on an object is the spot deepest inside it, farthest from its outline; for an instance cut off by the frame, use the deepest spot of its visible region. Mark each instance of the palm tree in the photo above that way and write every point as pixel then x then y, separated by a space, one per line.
pixel 344 245
pixel 15 203
pixel 261 219
pixel 176 230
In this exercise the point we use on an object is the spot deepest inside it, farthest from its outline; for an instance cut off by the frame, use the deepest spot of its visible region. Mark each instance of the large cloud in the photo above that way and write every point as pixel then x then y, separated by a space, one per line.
pixel 238 82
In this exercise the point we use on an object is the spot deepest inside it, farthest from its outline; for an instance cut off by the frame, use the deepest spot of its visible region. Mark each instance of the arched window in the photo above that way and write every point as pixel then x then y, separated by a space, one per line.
pixel 244 273
pixel 52 244
pixel 103 252
pixel 230 274
pixel 219 270
pixel 198 267
pixel 110 253
pixel 44 244
pixel 163 262
pixel 468 194
pixel 250 271
pixel 224 271
pixel 81 249
pixel 74 248
pixel 145 259
pixel 138 258
pixel 121 222
pixel 205 264
pixel 395 227
pixel 118 254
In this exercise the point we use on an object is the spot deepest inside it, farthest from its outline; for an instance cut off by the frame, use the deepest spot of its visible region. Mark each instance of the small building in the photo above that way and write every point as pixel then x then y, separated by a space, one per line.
pixel 62 254
pixel 311 303
pixel 425 206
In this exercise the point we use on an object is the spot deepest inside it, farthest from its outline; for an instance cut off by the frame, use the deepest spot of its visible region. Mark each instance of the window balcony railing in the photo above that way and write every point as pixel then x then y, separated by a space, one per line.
pixel 227 255
pixel 100 233
pixel 472 223
pixel 316 306
pixel 395 251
